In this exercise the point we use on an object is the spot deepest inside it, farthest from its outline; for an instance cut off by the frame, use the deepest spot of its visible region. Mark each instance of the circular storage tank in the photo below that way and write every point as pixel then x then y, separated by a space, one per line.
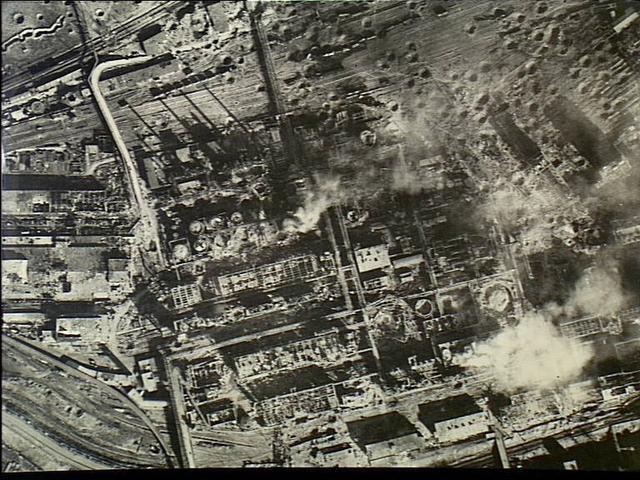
pixel 220 241
pixel 196 227
pixel 424 307
pixel 181 251
pixel 499 298
pixel 260 188
pixel 216 222
pixel 201 244
pixel 236 217
pixel 37 107
pixel 446 355
pixel 241 234
pixel 368 137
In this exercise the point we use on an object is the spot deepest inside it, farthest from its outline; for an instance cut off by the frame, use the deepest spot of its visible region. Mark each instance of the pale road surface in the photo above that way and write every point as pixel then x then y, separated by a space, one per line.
pixel 49 446
pixel 187 456
pixel 147 215
pixel 92 169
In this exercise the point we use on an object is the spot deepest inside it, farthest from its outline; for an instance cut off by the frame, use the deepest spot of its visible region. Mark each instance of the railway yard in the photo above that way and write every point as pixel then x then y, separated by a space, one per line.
pixel 86 419
pixel 321 234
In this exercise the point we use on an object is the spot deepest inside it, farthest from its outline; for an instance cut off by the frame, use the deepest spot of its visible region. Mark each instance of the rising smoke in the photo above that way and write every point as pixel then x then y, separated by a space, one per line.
pixel 405 179
pixel 619 191
pixel 598 291
pixel 326 193
pixel 533 354
pixel 369 183
pixel 530 355
pixel 539 215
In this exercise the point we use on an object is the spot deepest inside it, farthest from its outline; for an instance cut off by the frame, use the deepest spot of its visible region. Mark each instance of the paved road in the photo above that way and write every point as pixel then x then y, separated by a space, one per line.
pixel 147 214
pixel 241 339
pixel 49 447
pixel 179 412
pixel 338 257
pixel 335 213
pixel 18 83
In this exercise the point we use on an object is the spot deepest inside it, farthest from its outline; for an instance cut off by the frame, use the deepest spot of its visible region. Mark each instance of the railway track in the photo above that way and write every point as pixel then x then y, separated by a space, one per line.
pixel 35 437
pixel 14 87
pixel 51 361
pixel 42 417
pixel 488 461
pixel 95 407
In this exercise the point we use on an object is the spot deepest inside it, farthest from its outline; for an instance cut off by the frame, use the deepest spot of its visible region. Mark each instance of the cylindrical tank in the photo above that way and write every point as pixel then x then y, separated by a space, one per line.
pixel 196 227
pixel 499 298
pixel 37 107
pixel 368 137
pixel 201 244
pixel 181 251
pixel 216 223
pixel 424 307
pixel 236 217
pixel 241 234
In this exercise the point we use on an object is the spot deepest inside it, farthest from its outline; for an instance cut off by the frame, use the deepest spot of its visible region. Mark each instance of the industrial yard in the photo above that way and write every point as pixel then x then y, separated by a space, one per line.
pixel 320 234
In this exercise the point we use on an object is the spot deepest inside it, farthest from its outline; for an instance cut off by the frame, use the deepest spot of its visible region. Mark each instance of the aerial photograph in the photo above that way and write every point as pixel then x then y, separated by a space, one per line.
pixel 321 234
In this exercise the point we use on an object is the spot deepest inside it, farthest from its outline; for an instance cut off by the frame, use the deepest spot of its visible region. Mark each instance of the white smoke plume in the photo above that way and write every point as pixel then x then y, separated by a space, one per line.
pixel 326 193
pixel 539 215
pixel 530 355
pixel 533 354
pixel 598 292
pixel 405 179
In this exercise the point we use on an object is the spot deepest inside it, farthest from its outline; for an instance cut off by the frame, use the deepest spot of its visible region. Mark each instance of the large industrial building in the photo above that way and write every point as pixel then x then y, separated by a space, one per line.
pixel 454 418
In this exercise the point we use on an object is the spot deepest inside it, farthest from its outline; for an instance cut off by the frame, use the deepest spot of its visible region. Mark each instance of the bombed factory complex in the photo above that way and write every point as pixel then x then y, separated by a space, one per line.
pixel 367 233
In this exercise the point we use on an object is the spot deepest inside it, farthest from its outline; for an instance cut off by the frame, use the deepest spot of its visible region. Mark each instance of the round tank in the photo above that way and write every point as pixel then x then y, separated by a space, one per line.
pixel 236 217
pixel 216 222
pixel 424 307
pixel 220 241
pixel 196 227
pixel 37 107
pixel 201 244
pixel 499 299
pixel 181 251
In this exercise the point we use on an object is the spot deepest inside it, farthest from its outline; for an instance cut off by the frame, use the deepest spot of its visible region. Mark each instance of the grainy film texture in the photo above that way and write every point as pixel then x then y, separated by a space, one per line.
pixel 320 234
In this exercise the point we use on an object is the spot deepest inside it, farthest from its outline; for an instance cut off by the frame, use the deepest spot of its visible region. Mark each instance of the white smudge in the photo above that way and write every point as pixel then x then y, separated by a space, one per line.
pixel 530 355
pixel 405 179
pixel 533 354
pixel 598 291
pixel 326 193
pixel 539 215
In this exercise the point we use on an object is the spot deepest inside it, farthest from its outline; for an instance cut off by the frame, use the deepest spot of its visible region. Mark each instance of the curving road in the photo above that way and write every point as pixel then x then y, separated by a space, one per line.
pixel 147 214
pixel 16 84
